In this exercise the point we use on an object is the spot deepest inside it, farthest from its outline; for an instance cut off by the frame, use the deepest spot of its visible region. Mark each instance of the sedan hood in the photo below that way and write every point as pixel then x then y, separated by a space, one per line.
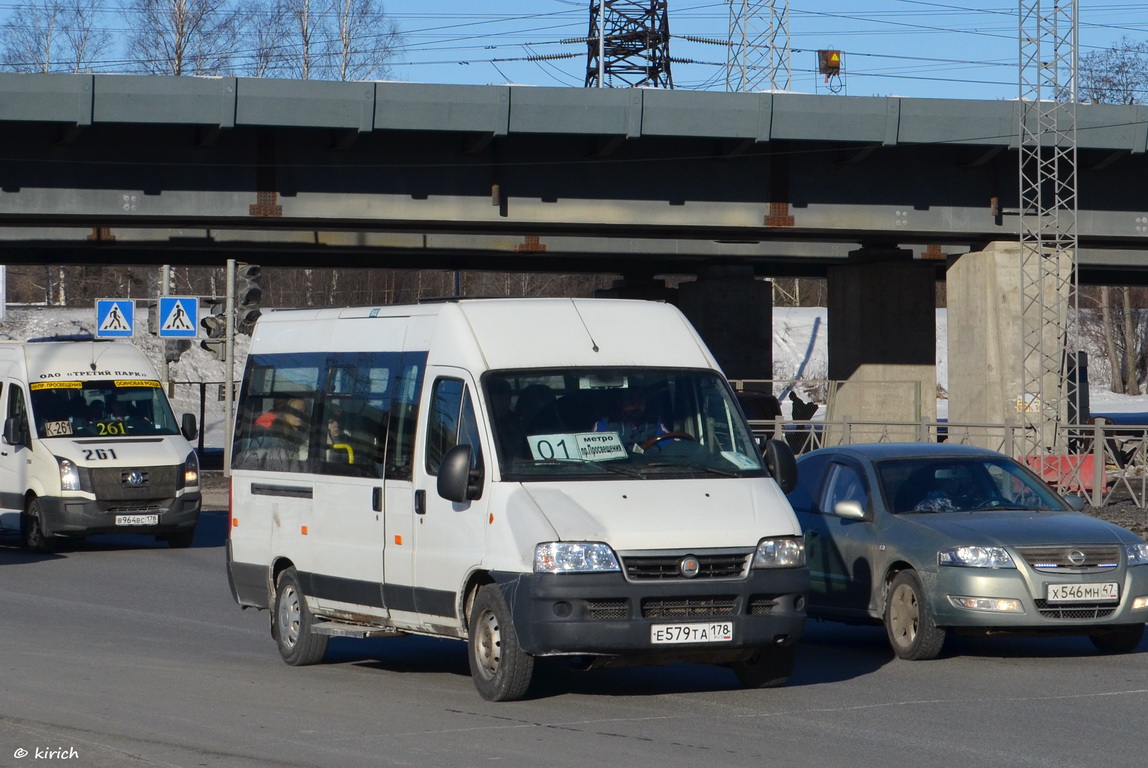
pixel 666 514
pixel 1021 528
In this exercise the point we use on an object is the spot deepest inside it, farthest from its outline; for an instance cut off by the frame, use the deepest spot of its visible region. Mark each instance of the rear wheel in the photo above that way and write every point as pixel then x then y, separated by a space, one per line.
pixel 502 671
pixel 32 536
pixel 909 620
pixel 292 622
pixel 768 667
pixel 1122 639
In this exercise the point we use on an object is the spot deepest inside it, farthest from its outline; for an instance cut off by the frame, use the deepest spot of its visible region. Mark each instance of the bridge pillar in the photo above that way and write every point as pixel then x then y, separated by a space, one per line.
pixel 733 312
pixel 986 325
pixel 882 342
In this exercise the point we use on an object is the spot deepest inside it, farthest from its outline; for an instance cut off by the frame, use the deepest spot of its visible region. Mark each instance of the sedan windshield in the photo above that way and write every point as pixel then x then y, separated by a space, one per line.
pixel 962 484
pixel 617 422
pixel 101 408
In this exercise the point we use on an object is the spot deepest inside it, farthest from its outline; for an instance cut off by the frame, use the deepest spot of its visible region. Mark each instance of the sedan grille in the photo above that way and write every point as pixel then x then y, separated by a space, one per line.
pixel 1076 611
pixel 1067 559
pixel 725 565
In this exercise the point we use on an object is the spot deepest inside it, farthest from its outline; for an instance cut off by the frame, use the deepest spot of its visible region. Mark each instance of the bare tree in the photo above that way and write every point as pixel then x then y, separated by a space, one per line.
pixel 364 40
pixel 184 37
pixel 53 36
pixel 301 46
pixel 1116 75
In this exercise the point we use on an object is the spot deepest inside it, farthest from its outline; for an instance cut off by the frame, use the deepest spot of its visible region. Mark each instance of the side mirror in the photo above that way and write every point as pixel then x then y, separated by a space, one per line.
pixel 780 462
pixel 1076 501
pixel 14 433
pixel 188 426
pixel 849 510
pixel 457 482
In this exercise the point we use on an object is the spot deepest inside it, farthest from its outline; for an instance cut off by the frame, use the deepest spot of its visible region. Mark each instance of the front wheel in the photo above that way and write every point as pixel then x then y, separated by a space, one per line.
pixel 292 622
pixel 502 671
pixel 1123 639
pixel 32 536
pixel 768 667
pixel 909 620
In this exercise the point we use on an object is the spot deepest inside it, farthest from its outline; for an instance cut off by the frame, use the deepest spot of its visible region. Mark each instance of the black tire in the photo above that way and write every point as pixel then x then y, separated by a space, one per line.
pixel 909 620
pixel 291 624
pixel 32 536
pixel 498 665
pixel 1122 639
pixel 769 667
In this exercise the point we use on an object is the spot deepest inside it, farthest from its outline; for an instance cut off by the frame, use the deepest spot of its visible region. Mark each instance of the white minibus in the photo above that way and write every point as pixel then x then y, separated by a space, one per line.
pixel 90 446
pixel 537 477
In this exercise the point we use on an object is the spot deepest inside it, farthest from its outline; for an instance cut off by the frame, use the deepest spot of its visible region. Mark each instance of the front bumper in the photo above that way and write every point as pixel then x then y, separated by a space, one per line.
pixel 605 614
pixel 1030 589
pixel 85 517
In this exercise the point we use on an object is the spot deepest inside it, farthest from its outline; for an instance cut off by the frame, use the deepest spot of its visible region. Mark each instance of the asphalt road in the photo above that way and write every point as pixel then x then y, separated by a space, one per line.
pixel 122 652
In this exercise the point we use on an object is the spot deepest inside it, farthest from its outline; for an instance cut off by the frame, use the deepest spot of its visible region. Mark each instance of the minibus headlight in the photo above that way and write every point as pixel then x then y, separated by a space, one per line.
pixel 69 475
pixel 191 470
pixel 574 557
pixel 782 552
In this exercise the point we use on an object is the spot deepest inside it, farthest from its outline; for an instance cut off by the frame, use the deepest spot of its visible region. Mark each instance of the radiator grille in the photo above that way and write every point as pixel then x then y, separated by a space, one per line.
pixel 605 610
pixel 114 489
pixel 726 565
pixel 1068 559
pixel 688 607
pixel 1076 611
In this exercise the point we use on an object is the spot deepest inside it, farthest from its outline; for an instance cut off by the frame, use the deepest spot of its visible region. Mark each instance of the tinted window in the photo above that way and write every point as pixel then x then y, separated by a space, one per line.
pixel 809 472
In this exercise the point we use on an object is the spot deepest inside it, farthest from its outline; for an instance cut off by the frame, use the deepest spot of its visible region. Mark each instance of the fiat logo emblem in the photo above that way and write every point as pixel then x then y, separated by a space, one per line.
pixel 1076 557
pixel 689 566
pixel 135 479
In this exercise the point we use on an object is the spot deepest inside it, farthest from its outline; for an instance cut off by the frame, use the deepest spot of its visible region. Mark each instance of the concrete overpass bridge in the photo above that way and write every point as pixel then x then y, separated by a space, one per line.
pixel 878 194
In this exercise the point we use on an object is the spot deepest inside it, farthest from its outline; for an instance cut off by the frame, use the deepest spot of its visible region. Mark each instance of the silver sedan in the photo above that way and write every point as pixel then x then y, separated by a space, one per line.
pixel 932 539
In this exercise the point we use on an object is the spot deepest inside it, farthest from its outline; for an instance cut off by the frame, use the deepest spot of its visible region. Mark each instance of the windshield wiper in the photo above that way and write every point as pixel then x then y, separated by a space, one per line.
pixel 695 465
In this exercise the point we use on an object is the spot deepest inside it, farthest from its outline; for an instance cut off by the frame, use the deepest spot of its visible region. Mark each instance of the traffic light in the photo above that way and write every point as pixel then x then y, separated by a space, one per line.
pixel 248 295
pixel 215 325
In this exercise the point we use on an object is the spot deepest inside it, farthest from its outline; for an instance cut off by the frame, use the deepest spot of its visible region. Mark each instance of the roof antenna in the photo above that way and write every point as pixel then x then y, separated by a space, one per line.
pixel 584 326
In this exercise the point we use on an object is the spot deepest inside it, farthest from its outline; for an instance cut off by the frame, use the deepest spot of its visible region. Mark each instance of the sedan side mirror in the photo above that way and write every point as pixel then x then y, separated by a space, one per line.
pixel 849 510
pixel 1075 501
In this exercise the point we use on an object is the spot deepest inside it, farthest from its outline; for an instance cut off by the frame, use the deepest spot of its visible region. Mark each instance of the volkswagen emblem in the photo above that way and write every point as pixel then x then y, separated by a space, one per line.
pixel 1076 557
pixel 136 478
pixel 689 566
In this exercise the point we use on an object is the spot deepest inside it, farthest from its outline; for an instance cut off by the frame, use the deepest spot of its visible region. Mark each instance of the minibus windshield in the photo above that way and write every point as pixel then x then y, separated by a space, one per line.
pixel 101 408
pixel 617 422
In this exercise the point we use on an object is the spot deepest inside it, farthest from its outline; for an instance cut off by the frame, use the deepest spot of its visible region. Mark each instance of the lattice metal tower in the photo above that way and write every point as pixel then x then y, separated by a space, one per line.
pixel 1048 210
pixel 758 56
pixel 629 44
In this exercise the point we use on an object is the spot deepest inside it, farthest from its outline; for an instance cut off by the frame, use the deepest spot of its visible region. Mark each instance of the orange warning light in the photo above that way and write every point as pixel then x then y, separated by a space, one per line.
pixel 303 530
pixel 398 540
pixel 829 63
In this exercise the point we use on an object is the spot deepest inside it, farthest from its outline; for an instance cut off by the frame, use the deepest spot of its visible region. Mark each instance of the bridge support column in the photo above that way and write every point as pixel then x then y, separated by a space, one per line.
pixel 733 312
pixel 986 325
pixel 882 343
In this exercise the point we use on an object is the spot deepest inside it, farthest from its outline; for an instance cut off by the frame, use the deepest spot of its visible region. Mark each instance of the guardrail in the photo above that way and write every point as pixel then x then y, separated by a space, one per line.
pixel 1102 461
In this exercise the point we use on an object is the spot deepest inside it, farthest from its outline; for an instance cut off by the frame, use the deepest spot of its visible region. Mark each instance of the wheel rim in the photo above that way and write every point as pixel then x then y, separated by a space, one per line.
pixel 35 535
pixel 487 645
pixel 904 616
pixel 290 616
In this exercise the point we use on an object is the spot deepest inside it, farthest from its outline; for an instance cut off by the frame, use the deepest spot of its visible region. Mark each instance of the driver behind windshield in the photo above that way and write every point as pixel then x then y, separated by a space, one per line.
pixel 632 420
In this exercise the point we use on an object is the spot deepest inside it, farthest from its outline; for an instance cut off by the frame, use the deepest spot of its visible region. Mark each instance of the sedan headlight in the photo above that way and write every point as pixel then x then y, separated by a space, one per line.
pixel 574 557
pixel 976 557
pixel 69 475
pixel 1137 554
pixel 784 552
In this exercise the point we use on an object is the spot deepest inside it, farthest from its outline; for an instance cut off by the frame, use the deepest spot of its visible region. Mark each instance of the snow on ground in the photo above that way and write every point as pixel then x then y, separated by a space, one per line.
pixel 799 352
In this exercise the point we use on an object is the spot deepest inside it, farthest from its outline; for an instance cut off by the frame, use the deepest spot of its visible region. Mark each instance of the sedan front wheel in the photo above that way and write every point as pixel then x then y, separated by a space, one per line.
pixel 909 620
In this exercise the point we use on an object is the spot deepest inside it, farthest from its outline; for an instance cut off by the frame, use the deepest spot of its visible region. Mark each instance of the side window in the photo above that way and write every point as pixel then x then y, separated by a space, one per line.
pixel 809 472
pixel 352 428
pixel 277 412
pixel 844 483
pixel 451 422
pixel 404 416
pixel 16 408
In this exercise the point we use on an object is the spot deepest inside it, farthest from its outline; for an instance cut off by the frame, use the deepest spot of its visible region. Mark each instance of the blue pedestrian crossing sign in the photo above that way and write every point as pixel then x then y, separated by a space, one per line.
pixel 178 317
pixel 115 318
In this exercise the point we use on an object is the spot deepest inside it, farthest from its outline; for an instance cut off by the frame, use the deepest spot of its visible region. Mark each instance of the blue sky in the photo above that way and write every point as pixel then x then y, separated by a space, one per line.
pixel 920 48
